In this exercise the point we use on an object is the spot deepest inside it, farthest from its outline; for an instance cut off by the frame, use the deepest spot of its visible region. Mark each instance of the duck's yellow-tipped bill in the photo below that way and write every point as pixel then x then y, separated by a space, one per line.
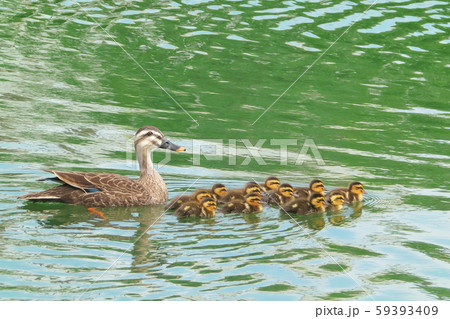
pixel 166 144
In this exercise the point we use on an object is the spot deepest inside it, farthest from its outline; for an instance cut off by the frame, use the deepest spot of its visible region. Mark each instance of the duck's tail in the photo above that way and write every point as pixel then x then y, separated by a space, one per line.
pixel 54 194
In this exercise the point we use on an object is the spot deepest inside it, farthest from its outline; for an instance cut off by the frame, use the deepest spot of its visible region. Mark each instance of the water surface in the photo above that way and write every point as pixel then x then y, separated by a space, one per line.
pixel 78 78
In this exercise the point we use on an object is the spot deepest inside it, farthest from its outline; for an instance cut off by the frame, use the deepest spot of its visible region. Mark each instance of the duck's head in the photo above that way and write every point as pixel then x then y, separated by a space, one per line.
pixel 253 199
pixel 251 187
pixel 337 199
pixel 209 205
pixel 219 189
pixel 356 188
pixel 317 186
pixel 286 190
pixel 201 194
pixel 272 182
pixel 317 200
pixel 151 138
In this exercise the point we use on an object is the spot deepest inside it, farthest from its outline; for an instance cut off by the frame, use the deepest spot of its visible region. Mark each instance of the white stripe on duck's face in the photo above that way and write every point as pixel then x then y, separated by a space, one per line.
pixel 148 139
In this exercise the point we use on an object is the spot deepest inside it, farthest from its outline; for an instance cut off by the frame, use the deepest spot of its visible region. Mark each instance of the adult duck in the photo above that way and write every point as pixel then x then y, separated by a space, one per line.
pixel 106 189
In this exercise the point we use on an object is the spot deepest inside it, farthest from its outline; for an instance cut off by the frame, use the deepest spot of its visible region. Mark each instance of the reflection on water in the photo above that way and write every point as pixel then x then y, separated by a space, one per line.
pixel 375 104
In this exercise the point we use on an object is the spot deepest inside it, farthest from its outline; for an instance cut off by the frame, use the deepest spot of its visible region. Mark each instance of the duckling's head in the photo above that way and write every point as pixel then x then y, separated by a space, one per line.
pixel 253 199
pixel 356 188
pixel 286 190
pixel 209 205
pixel 251 187
pixel 201 194
pixel 272 182
pixel 219 189
pixel 317 186
pixel 317 200
pixel 151 138
pixel 337 199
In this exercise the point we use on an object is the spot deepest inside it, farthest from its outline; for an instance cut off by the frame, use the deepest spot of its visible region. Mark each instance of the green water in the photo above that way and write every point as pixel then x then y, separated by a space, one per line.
pixel 77 80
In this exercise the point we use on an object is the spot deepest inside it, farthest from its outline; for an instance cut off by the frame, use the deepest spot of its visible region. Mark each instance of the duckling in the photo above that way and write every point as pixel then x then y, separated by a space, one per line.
pixel 302 206
pixel 218 191
pixel 316 185
pixel 282 195
pixel 271 183
pixel 252 204
pixel 240 193
pixel 206 208
pixel 197 196
pixel 334 201
pixel 354 192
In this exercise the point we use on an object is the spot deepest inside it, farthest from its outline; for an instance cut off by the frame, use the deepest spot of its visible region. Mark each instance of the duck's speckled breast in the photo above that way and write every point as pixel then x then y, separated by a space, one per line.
pixel 156 189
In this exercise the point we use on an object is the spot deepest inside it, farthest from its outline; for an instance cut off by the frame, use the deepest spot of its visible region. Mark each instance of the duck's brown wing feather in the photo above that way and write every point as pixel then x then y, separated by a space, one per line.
pixel 100 181
pixel 81 188
pixel 54 194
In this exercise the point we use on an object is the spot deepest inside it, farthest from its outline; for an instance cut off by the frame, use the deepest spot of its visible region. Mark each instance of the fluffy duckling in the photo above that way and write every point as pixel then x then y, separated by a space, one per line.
pixel 316 186
pixel 252 204
pixel 233 194
pixel 197 196
pixel 206 208
pixel 271 183
pixel 281 196
pixel 217 191
pixel 334 201
pixel 302 206
pixel 354 192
